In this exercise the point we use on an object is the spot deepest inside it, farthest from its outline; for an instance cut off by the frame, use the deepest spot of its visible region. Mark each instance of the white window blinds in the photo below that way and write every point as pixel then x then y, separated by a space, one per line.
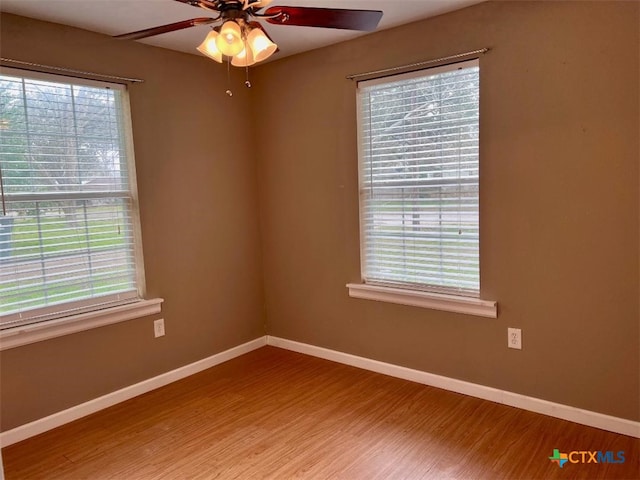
pixel 419 179
pixel 68 232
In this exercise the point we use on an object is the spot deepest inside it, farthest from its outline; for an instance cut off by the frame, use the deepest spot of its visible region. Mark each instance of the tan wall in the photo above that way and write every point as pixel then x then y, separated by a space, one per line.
pixel 559 202
pixel 198 207
pixel 559 213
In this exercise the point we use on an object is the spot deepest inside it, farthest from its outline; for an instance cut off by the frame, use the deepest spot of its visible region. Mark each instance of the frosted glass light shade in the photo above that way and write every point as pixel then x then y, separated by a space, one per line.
pixel 209 47
pixel 243 59
pixel 260 44
pixel 229 42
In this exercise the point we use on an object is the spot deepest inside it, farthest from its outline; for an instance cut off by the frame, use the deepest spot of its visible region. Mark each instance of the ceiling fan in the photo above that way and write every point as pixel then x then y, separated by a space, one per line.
pixel 242 40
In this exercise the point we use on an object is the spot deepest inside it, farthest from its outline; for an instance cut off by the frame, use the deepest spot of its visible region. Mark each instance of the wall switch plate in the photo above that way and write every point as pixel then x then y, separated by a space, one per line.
pixel 514 338
pixel 158 327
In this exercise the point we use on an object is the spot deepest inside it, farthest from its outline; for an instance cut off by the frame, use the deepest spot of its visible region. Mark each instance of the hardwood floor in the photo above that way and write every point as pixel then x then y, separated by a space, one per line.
pixel 275 414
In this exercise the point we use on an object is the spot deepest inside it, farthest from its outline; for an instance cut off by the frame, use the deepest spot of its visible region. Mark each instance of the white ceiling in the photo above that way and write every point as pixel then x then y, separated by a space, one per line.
pixel 114 17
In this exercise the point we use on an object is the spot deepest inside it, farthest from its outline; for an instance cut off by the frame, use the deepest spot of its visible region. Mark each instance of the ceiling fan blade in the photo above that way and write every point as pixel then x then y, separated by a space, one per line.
pixel 365 20
pixel 171 27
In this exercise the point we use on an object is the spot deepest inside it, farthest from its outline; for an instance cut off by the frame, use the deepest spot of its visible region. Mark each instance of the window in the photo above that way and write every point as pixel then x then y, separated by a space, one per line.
pixel 69 229
pixel 419 178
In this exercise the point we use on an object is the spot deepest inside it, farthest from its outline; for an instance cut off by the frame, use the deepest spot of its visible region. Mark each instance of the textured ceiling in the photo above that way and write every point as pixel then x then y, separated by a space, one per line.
pixel 120 16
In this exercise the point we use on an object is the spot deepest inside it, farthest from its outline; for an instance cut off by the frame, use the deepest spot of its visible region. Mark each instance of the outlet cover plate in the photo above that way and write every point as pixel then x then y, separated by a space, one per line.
pixel 514 338
pixel 158 328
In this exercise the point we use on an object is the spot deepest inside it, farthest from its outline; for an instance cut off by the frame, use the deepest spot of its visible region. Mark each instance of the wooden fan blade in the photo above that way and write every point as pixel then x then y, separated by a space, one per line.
pixel 365 20
pixel 171 27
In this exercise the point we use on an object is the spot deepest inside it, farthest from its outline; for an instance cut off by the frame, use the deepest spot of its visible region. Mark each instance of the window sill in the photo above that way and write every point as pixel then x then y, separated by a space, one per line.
pixel 436 301
pixel 26 334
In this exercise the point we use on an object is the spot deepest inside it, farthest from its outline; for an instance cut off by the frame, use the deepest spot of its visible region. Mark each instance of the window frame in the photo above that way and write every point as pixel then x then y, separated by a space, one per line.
pixel 40 323
pixel 420 295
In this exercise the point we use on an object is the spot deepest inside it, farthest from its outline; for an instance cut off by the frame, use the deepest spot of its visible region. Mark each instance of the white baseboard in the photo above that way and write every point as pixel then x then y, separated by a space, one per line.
pixel 65 416
pixel 557 410
pixel 565 412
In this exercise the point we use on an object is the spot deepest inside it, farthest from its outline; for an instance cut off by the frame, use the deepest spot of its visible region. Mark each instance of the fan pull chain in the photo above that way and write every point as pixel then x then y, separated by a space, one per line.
pixel 247 83
pixel 229 92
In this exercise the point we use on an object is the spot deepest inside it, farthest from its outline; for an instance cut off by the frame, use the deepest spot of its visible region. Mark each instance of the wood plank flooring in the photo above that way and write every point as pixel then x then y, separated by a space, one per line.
pixel 274 414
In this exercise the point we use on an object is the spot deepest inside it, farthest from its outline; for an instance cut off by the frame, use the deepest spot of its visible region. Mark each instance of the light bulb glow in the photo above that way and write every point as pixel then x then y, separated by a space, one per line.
pixel 260 45
pixel 229 42
pixel 209 47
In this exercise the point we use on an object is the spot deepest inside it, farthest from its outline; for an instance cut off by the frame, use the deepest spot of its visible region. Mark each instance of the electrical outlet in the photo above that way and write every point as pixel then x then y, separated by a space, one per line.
pixel 514 338
pixel 158 327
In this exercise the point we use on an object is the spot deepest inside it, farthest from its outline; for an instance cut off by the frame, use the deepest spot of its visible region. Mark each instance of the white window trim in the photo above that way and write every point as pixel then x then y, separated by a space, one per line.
pixel 362 223
pixel 404 295
pixel 36 332
pixel 415 298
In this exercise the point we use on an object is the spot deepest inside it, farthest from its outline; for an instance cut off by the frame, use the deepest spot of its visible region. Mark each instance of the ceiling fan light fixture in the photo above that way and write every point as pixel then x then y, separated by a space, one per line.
pixel 209 47
pixel 243 59
pixel 241 39
pixel 260 45
pixel 229 42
